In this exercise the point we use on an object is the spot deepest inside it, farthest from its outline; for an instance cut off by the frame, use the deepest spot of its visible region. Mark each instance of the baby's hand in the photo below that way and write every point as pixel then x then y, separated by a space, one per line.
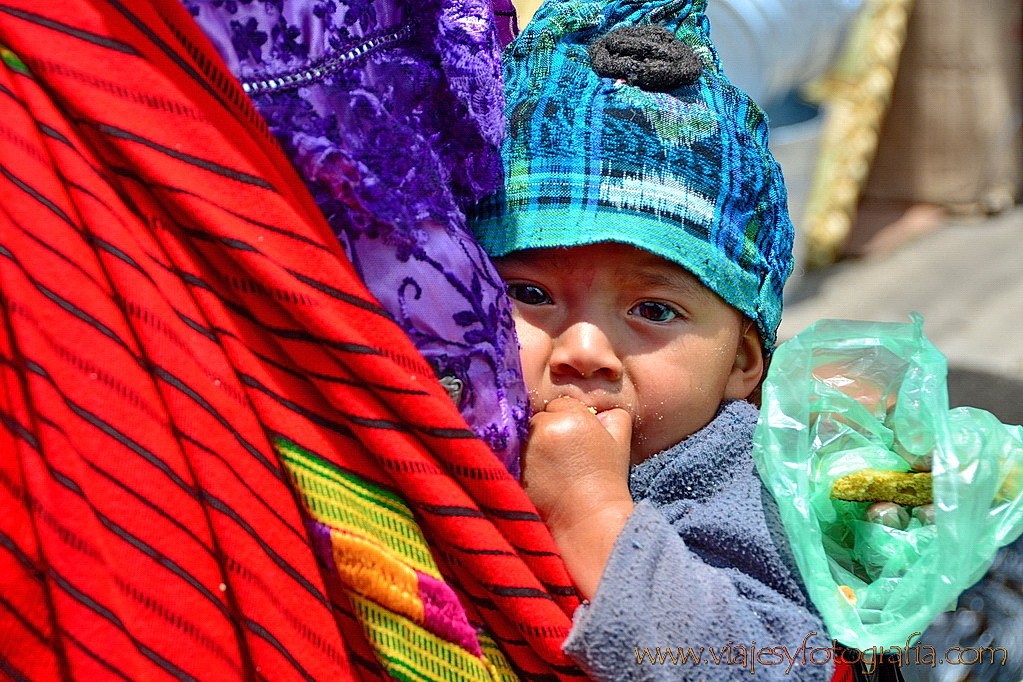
pixel 576 471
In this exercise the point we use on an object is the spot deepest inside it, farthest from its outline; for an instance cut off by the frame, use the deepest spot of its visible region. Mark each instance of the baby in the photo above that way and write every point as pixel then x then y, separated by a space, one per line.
pixel 644 239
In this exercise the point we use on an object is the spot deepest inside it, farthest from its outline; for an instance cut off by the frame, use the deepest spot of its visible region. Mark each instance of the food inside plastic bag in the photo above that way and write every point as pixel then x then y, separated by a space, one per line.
pixel 894 504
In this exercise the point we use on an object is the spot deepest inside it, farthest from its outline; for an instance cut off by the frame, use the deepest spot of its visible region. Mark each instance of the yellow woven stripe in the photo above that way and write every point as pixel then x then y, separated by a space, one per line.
pixel 500 670
pixel 409 652
pixel 345 502
pixel 370 570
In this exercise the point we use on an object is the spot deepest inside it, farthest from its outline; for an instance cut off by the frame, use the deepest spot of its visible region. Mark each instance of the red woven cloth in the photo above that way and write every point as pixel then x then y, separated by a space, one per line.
pixel 843 672
pixel 172 300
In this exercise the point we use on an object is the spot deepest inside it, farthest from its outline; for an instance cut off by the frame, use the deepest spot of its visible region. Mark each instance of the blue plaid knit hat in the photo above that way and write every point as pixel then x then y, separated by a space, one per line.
pixel 635 136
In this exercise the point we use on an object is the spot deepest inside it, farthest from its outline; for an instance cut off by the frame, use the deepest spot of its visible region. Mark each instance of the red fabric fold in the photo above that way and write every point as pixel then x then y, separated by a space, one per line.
pixel 172 300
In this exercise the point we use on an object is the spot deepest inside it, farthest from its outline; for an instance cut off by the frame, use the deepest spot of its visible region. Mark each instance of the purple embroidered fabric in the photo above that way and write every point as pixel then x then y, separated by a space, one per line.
pixel 392 112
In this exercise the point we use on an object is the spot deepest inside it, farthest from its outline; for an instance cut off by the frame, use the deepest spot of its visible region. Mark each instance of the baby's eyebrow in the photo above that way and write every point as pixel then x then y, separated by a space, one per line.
pixel 670 279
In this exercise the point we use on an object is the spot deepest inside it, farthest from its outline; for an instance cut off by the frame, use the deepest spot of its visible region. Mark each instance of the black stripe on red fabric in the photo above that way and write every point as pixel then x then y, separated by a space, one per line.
pixel 67 536
pixel 545 631
pixel 171 53
pixel 227 511
pixel 196 326
pixel 7 542
pixel 115 251
pixel 213 412
pixel 303 335
pixel 20 141
pixel 102 41
pixel 70 484
pixel 239 244
pixel 65 481
pixel 177 621
pixel 519 592
pixel 52 249
pixel 290 334
pixel 376 423
pixel 215 81
pixel 50 131
pixel 74 310
pixel 479 473
pixel 340 295
pixel 231 242
pixel 16 427
pixel 447 433
pixel 251 285
pixel 533 552
pixel 284 232
pixel 560 591
pixel 196 161
pixel 512 514
pixel 5 91
pixel 29 190
pixel 130 443
pixel 196 281
pixel 272 641
pixel 86 366
pixel 152 505
pixel 271 593
pixel 115 212
pixel 66 635
pixel 307 374
pixel 8 667
pixel 242 311
pixel 161 559
pixel 242 482
pixel 25 623
pixel 451 510
pixel 371 666
pixel 111 617
pixel 41 66
pixel 315 418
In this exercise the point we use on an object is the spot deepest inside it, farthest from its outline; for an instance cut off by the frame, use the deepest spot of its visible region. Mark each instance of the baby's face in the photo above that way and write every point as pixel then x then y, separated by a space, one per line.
pixel 616 326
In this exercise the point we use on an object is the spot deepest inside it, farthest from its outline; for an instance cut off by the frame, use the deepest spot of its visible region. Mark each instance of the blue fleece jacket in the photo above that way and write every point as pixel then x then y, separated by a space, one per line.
pixel 702 564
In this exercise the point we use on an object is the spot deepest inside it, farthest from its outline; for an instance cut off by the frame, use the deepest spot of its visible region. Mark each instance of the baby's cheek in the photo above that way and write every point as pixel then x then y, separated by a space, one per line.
pixel 654 431
pixel 534 351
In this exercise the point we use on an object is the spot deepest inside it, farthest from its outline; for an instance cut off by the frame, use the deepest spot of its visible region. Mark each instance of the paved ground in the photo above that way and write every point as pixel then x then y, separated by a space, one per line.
pixel 965 277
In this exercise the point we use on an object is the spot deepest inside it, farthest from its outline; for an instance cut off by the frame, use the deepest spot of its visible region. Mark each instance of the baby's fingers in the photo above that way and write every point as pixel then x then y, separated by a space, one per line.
pixel 618 423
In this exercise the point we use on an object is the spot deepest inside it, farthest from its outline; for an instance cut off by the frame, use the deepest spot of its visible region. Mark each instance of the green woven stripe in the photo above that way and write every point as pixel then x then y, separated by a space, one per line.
pixel 13 61
pixel 409 652
pixel 347 502
pixel 493 654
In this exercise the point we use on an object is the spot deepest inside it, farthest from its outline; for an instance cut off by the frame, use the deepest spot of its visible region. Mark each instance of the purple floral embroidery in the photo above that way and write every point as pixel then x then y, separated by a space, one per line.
pixel 286 39
pixel 322 9
pixel 361 12
pixel 247 39
pixel 392 113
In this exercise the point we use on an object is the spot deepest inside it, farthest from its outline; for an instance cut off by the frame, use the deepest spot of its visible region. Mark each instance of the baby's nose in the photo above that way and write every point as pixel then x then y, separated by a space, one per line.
pixel 586 351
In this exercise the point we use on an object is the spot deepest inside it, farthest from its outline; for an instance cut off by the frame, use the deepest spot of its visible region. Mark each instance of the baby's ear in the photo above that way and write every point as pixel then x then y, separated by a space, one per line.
pixel 749 365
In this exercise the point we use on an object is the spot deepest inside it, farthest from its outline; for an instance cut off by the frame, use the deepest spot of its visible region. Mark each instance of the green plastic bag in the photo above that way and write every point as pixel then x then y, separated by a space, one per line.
pixel 849 395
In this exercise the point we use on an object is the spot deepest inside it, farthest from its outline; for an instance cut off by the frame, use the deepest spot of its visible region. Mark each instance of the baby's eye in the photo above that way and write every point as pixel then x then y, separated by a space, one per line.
pixel 530 294
pixel 654 311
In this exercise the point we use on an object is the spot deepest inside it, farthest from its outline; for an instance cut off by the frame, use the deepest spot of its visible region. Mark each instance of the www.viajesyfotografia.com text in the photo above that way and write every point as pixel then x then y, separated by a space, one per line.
pixel 750 656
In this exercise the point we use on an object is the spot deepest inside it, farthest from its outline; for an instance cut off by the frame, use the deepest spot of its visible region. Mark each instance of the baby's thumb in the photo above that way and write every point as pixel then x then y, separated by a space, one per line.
pixel 618 423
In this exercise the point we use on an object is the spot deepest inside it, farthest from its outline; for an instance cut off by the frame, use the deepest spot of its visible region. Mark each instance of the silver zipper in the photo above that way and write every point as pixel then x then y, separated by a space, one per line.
pixel 330 65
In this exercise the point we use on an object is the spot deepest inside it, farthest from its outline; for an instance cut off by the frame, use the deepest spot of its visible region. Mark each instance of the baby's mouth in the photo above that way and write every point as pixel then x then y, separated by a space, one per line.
pixel 595 402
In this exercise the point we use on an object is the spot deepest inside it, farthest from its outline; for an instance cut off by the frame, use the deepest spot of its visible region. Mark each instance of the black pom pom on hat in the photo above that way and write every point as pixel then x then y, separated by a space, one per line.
pixel 649 57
